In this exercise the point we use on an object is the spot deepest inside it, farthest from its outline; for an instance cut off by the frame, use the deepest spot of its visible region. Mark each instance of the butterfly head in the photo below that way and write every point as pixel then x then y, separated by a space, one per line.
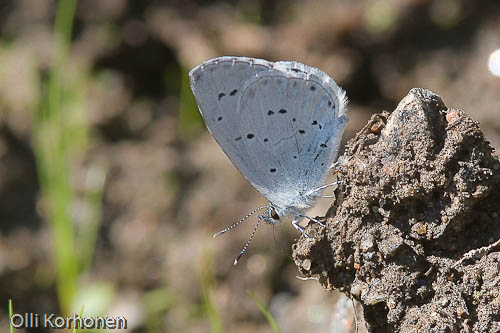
pixel 273 214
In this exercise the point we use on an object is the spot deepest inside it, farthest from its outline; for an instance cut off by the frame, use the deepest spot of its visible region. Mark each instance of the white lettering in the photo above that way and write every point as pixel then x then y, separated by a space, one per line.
pixel 88 322
pixel 52 321
pixel 59 322
pixel 100 323
pixel 14 317
pixel 121 323
pixel 47 320
pixel 77 321
pixel 110 323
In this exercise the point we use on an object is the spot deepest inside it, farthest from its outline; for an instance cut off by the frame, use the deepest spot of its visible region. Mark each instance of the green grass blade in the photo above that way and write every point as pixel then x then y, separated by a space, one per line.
pixel 52 143
pixel 265 311
pixel 81 314
pixel 62 39
pixel 94 190
pixel 11 313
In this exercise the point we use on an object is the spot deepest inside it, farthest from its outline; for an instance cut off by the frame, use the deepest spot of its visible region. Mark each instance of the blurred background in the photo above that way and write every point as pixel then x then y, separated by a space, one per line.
pixel 111 187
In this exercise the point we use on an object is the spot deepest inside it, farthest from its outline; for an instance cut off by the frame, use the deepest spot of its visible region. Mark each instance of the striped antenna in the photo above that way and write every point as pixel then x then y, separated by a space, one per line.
pixel 235 224
pixel 247 244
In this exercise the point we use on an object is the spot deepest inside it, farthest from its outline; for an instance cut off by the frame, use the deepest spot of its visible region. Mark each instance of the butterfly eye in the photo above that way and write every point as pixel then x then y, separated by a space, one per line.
pixel 274 215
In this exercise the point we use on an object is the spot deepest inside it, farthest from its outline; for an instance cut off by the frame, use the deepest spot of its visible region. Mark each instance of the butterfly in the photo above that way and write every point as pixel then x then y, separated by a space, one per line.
pixel 280 123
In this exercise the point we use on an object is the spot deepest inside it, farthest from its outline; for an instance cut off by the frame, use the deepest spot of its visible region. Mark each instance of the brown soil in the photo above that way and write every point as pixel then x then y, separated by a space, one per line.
pixel 415 232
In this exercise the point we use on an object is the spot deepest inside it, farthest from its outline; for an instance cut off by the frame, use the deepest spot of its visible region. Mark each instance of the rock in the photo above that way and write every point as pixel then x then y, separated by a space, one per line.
pixel 414 232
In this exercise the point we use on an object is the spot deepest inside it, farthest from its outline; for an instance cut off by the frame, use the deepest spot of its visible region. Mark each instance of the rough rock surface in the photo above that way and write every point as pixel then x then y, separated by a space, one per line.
pixel 414 234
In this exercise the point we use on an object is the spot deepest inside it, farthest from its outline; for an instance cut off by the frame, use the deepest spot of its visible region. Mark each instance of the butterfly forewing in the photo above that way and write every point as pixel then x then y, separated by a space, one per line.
pixel 217 85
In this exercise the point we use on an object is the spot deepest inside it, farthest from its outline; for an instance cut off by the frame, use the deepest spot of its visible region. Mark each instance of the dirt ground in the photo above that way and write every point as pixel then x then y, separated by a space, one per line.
pixel 415 232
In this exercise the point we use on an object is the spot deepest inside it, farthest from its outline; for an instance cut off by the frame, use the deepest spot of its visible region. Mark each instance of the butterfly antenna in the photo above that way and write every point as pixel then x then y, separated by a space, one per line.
pixel 247 244
pixel 226 229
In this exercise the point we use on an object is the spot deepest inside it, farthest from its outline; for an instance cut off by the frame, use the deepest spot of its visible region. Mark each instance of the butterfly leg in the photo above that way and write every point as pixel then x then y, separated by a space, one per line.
pixel 296 225
pixel 335 165
pixel 311 219
pixel 319 189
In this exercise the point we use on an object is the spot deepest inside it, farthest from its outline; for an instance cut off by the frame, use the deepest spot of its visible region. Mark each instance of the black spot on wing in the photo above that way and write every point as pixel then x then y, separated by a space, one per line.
pixel 315 122
pixel 250 136
pixel 312 88
pixel 302 132
pixel 282 111
pixel 232 93
pixel 238 138
pixel 272 170
pixel 220 96
pixel 270 112
pixel 266 139
pixel 219 118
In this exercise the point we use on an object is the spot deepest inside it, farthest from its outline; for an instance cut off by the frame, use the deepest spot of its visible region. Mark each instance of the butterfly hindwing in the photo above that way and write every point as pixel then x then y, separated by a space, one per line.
pixel 279 123
pixel 296 122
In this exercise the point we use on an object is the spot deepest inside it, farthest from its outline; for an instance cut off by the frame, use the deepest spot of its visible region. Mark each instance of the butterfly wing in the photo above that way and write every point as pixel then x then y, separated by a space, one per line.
pixel 297 116
pixel 217 84
pixel 279 123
